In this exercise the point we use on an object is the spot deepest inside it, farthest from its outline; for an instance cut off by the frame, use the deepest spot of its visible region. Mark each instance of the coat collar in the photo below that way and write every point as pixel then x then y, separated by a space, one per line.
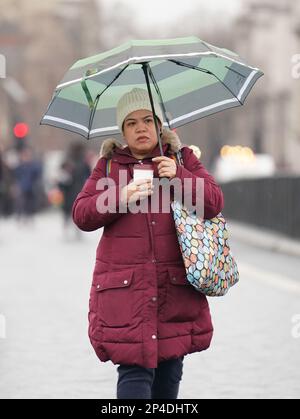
pixel 111 148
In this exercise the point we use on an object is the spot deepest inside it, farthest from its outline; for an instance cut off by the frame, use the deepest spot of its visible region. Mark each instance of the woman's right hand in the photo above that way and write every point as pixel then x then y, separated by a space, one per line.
pixel 137 190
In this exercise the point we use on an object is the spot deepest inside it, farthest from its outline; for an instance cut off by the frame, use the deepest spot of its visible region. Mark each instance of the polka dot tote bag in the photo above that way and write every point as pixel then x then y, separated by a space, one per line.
pixel 208 260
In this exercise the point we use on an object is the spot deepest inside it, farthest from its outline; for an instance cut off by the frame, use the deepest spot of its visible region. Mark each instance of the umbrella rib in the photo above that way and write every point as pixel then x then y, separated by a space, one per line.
pixel 92 114
pixel 203 70
pixel 160 95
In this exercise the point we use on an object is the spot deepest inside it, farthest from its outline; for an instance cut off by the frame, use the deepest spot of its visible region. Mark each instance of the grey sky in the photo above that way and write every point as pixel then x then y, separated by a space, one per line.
pixel 159 11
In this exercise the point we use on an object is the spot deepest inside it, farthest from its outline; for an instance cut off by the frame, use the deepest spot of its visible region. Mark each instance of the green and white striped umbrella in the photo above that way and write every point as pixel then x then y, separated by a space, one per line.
pixel 189 77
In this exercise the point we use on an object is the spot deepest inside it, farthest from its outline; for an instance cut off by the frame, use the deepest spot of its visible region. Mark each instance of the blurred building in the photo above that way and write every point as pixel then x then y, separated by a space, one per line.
pixel 267 35
pixel 41 40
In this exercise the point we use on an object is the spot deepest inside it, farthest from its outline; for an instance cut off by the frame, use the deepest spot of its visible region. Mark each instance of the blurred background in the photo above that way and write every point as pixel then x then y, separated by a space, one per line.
pixel 253 151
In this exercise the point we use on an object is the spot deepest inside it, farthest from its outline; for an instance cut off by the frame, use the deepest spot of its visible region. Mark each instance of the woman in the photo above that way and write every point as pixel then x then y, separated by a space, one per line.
pixel 144 315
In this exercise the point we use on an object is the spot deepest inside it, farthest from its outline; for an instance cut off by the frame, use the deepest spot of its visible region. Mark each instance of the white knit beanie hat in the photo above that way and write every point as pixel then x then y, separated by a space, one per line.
pixel 135 100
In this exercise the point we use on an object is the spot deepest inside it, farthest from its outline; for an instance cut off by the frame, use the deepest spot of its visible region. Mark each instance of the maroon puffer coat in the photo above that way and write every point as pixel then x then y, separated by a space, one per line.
pixel 142 309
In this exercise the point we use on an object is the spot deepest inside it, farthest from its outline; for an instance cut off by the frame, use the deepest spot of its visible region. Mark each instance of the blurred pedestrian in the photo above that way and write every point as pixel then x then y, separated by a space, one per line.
pixel 2 183
pixel 6 184
pixel 73 173
pixel 144 315
pixel 27 177
pixel 91 158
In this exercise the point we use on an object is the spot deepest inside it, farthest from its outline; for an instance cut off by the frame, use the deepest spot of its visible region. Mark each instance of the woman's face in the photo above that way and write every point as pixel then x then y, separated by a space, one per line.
pixel 140 133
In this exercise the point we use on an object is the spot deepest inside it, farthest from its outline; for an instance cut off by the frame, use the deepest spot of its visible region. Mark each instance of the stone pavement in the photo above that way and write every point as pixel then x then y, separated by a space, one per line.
pixel 44 290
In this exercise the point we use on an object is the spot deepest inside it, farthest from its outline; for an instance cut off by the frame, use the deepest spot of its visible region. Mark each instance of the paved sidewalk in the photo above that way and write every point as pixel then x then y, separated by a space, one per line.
pixel 44 291
pixel 264 238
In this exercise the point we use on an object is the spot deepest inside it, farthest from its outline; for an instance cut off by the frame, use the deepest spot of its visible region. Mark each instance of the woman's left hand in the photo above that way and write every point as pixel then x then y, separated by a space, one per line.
pixel 166 167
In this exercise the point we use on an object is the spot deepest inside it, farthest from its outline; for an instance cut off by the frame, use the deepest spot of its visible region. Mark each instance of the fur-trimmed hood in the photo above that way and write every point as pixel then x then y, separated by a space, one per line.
pixel 168 137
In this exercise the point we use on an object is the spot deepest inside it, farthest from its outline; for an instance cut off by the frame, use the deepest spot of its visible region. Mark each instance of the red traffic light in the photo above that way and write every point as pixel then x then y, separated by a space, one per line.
pixel 21 130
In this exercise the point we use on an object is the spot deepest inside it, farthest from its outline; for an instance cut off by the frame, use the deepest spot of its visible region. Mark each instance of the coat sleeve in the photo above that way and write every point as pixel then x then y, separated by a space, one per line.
pixel 193 169
pixel 88 212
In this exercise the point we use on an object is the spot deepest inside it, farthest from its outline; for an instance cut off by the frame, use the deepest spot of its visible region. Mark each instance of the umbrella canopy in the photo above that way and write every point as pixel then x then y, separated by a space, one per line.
pixel 190 78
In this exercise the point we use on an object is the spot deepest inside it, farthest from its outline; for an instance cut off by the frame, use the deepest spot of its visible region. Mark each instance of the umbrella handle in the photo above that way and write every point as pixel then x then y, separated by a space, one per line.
pixel 145 67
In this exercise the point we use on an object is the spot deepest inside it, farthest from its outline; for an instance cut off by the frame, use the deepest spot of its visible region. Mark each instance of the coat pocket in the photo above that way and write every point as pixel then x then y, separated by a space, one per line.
pixel 183 303
pixel 114 290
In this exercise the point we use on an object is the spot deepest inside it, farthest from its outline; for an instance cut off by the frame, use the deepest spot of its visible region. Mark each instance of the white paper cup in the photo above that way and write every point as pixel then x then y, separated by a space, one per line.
pixel 143 171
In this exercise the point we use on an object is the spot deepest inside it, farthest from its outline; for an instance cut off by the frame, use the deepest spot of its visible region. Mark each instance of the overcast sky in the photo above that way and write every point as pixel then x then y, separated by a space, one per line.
pixel 150 11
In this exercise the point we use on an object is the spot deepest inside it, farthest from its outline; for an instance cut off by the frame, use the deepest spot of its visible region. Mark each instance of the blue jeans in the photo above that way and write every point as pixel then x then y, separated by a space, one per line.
pixel 135 382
